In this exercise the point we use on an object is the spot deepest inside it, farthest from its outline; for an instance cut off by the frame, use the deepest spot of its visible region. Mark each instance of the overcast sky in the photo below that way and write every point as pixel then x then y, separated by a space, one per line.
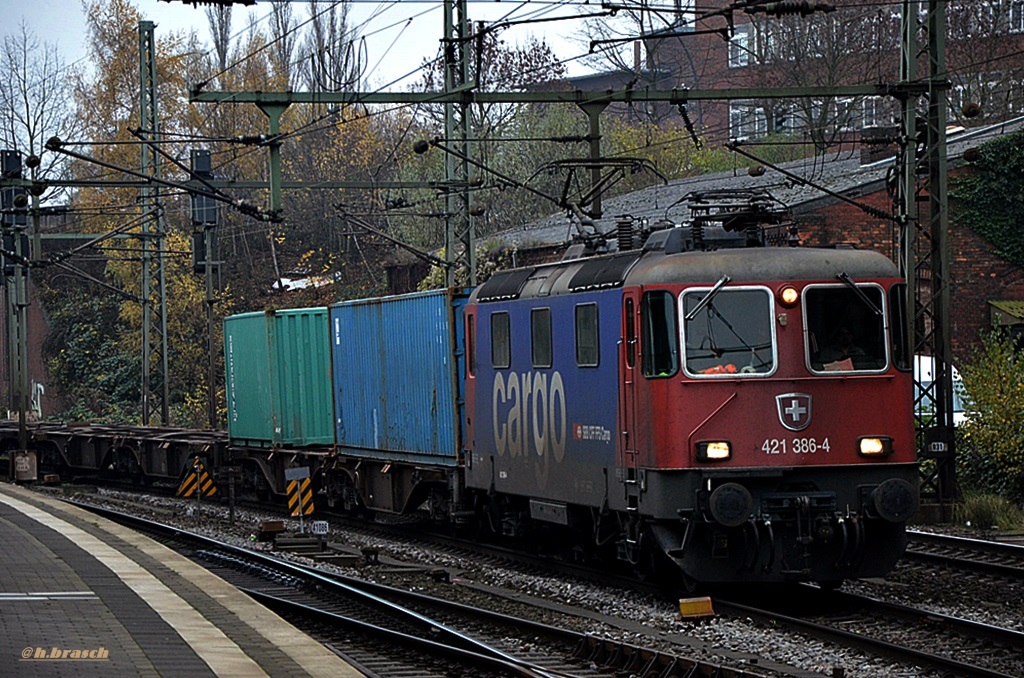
pixel 398 35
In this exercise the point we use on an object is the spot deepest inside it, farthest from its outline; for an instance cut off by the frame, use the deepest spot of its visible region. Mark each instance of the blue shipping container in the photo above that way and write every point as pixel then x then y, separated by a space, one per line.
pixel 398 363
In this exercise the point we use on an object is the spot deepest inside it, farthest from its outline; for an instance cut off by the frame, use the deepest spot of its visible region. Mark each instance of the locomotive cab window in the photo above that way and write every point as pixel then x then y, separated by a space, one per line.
pixel 540 337
pixel 658 334
pixel 728 332
pixel 586 335
pixel 501 355
pixel 845 328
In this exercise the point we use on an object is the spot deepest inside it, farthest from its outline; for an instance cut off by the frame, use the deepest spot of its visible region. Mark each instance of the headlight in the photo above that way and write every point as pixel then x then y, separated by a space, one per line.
pixel 874 447
pixel 716 450
pixel 789 296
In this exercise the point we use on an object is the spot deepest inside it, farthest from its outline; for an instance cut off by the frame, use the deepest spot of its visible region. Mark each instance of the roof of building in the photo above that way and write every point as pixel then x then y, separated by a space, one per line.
pixel 1014 309
pixel 840 173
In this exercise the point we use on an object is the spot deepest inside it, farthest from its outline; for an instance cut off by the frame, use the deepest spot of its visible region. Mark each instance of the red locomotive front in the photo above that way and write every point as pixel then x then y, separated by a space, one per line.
pixel 765 413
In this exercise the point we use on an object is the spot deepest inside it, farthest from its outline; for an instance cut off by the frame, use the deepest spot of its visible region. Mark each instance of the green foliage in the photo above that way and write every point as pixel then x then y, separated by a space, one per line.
pixel 992 439
pixel 990 199
pixel 668 146
pixel 986 512
pixel 91 369
pixel 491 256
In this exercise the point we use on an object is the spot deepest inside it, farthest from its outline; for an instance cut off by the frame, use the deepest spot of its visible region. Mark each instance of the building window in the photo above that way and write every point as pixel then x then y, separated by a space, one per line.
pixel 1017 16
pixel 739 47
pixel 586 335
pixel 501 354
pixel 873 112
pixel 747 122
pixel 846 118
pixel 540 337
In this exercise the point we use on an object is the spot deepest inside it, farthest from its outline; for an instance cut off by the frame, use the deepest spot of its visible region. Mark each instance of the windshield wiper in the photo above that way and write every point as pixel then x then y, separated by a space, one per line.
pixel 860 293
pixel 708 297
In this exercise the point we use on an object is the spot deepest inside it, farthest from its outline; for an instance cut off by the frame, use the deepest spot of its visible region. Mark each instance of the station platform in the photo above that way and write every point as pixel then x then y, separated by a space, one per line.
pixel 82 596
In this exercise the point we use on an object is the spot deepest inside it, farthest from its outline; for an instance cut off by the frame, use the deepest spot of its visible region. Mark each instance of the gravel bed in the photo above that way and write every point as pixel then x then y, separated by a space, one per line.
pixel 988 600
pixel 583 606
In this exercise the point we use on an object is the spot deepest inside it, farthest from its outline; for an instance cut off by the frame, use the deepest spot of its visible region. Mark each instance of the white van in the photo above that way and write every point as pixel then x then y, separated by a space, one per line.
pixel 924 369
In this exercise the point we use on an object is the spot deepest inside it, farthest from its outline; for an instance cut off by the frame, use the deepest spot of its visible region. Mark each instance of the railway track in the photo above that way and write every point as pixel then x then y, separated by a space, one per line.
pixel 948 644
pixel 976 555
pixel 391 631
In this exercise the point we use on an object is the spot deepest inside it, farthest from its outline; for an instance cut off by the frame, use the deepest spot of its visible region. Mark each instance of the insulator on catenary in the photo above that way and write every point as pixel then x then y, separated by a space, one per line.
pixel 801 7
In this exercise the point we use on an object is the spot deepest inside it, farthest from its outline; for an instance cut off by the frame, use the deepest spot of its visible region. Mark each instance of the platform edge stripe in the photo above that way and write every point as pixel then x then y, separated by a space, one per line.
pixel 312 656
pixel 220 653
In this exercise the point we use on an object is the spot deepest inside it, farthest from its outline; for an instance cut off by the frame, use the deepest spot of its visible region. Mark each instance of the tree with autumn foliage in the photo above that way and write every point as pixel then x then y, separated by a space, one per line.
pixel 101 376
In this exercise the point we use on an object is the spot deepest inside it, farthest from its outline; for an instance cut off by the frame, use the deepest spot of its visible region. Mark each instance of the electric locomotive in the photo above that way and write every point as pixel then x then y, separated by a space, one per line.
pixel 742 412
pixel 736 411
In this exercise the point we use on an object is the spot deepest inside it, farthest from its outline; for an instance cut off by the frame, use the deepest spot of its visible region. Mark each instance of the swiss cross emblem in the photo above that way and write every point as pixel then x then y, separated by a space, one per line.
pixel 794 410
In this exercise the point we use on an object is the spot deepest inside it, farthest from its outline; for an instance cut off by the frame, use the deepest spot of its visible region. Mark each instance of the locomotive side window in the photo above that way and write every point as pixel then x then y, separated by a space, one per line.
pixel 730 335
pixel 659 332
pixel 586 335
pixel 901 351
pixel 540 337
pixel 845 328
pixel 501 355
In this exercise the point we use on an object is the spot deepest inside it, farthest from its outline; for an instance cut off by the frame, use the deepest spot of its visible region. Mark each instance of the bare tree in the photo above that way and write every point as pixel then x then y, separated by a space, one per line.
pixel 283 38
pixel 647 45
pixel 35 101
pixel 328 57
pixel 219 17
pixel 855 44
pixel 985 42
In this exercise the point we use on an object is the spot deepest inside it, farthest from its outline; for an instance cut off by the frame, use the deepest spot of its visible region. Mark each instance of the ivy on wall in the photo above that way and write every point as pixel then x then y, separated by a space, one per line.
pixel 989 197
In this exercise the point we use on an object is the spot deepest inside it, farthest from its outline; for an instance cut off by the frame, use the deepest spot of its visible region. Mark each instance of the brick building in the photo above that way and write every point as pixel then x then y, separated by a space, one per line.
pixel 716 47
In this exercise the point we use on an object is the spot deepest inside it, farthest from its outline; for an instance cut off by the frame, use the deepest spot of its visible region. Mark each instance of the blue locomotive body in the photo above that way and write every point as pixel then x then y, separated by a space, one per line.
pixel 544 403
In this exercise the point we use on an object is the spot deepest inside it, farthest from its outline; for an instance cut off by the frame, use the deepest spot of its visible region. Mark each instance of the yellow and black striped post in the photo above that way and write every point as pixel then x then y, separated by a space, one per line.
pixel 198 479
pixel 300 497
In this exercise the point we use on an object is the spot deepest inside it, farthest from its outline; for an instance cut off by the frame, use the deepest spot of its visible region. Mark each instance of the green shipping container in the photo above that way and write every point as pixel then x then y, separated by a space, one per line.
pixel 278 369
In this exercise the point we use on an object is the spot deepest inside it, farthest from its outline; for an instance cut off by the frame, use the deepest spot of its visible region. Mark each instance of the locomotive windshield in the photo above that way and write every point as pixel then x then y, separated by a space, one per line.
pixel 732 334
pixel 845 328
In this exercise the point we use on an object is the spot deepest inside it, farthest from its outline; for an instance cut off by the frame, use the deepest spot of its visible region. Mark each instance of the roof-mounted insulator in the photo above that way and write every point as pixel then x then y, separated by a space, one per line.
pixel 625 234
